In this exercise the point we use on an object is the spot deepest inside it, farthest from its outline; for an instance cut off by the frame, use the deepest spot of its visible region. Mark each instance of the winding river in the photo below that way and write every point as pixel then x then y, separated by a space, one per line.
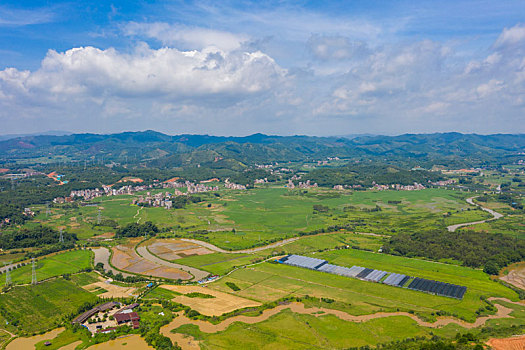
pixel 188 343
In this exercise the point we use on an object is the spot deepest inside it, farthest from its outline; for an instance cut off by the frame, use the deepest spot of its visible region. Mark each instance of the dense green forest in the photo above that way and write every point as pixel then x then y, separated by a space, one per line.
pixel 474 249
pixel 38 236
pixel 366 175
pixel 137 230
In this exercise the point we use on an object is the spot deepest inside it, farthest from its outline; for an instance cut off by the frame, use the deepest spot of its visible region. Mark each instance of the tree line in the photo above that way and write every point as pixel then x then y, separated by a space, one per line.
pixel 473 249
pixel 34 237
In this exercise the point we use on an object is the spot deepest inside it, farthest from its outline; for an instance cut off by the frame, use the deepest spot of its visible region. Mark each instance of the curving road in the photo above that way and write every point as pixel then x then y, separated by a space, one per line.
pixel 197 274
pixel 495 215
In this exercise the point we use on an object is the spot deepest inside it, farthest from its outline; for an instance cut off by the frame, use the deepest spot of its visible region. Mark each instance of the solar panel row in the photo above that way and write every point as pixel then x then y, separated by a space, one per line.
pixel 303 261
pixel 438 288
pixel 375 276
pixel 396 279
pixel 364 273
pixel 393 279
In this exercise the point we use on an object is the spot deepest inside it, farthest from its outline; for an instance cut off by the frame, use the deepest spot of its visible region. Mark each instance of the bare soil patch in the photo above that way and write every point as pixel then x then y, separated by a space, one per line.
pixel 133 341
pixel 516 276
pixel 125 258
pixel 29 343
pixel 130 179
pixel 221 304
pixel 514 343
pixel 113 291
pixel 173 249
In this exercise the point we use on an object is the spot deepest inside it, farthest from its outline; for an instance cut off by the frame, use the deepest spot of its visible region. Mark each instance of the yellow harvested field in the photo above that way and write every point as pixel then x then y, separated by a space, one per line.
pixel 126 258
pixel 133 341
pixel 113 291
pixel 221 304
pixel 173 249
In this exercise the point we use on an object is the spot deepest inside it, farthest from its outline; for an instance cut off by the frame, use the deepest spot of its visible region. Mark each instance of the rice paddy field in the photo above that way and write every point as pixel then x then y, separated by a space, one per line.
pixel 124 257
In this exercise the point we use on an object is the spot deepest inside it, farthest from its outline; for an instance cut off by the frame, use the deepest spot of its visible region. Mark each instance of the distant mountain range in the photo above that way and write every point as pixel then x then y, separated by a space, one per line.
pixel 161 150
pixel 50 132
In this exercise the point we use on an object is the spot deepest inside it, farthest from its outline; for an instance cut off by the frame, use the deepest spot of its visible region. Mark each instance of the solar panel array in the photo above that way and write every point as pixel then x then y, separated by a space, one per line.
pixel 304 261
pixel 338 270
pixel 376 275
pixel 438 288
pixel 396 279
pixel 392 279
pixel 364 273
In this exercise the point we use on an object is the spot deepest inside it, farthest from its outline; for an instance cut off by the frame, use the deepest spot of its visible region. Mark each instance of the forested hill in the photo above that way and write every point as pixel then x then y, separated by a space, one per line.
pixel 163 150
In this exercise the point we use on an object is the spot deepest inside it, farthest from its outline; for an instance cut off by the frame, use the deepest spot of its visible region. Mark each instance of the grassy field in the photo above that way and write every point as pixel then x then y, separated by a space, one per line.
pixel 41 307
pixel 241 219
pixel 288 330
pixel 83 279
pixel 221 263
pixel 161 293
pixel 267 282
pixel 54 265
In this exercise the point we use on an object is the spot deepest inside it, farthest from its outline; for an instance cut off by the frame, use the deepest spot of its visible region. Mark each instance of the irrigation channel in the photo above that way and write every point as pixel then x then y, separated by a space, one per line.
pixel 495 215
pixel 189 343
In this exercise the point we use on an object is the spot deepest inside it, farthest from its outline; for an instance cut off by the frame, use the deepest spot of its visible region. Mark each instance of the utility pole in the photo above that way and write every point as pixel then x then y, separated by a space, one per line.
pixel 7 276
pixel 61 238
pixel 33 272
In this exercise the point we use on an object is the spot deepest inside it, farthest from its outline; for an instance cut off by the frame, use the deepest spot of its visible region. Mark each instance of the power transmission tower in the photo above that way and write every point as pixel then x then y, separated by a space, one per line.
pixel 48 211
pixel 61 239
pixel 12 184
pixel 7 276
pixel 33 272
pixel 98 216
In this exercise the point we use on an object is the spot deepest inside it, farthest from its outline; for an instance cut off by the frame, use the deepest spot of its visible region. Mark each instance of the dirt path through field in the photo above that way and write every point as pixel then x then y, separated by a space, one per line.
pixel 207 327
pixel 242 251
pixel 269 246
pixel 197 274
pixel 138 212
pixel 495 215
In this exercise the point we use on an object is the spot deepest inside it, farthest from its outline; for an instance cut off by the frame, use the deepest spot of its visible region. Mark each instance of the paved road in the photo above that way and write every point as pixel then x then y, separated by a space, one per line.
pixel 102 255
pixel 197 274
pixel 495 215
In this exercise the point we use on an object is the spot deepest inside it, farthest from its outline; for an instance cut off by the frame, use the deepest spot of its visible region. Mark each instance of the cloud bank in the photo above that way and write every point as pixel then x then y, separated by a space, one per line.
pixel 216 81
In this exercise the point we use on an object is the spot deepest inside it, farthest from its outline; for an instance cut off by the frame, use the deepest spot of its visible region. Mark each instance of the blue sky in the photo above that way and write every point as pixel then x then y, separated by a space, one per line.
pixel 240 67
